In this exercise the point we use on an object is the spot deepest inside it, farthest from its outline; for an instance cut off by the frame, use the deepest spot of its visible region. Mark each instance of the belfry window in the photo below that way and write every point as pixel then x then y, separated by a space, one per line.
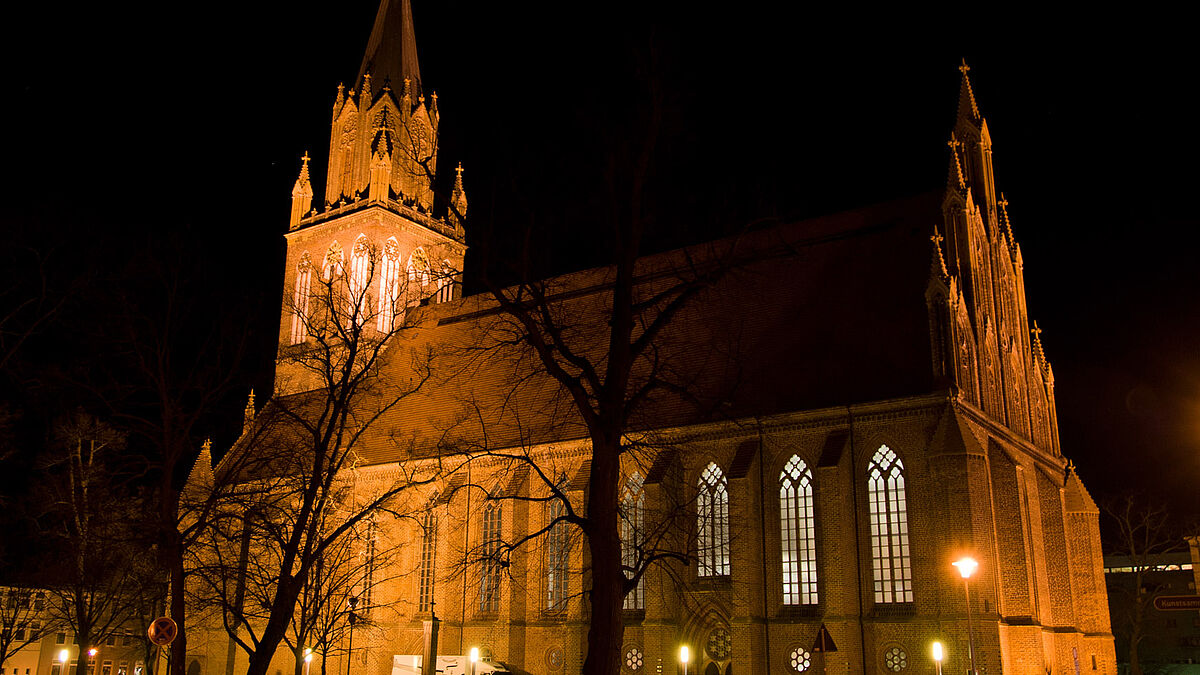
pixel 428 558
pixel 389 286
pixel 300 316
pixel 633 528
pixel 890 559
pixel 712 523
pixel 360 280
pixel 798 541
pixel 557 550
pixel 489 580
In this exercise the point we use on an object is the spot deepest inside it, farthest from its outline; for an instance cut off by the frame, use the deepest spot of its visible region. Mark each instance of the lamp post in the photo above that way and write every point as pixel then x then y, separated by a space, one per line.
pixel 307 659
pixel 474 656
pixel 353 602
pixel 966 567
pixel 938 655
pixel 684 657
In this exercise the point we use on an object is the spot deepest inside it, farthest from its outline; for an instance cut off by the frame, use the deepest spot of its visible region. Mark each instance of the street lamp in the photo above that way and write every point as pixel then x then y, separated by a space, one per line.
pixel 684 657
pixel 353 602
pixel 938 655
pixel 307 659
pixel 474 656
pixel 966 567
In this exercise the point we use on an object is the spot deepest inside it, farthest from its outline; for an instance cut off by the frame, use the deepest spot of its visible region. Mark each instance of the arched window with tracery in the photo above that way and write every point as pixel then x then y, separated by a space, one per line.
pixel 489 580
pixel 633 532
pixel 798 539
pixel 389 286
pixel 428 559
pixel 334 259
pixel 418 276
pixel 712 523
pixel 557 550
pixel 369 544
pixel 360 279
pixel 890 558
pixel 300 316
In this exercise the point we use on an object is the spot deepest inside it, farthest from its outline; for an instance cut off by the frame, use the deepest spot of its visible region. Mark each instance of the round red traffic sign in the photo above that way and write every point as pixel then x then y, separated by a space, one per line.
pixel 162 631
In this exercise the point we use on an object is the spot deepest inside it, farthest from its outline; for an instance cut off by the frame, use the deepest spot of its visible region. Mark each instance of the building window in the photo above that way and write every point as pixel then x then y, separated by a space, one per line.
pixel 55 669
pixel 489 581
pixel 798 534
pixel 111 640
pixel 369 562
pixel 360 280
pixel 300 300
pixel 428 558
pixel 106 668
pixel 60 638
pixel 389 286
pixel 712 523
pixel 633 529
pixel 418 276
pixel 557 551
pixel 890 558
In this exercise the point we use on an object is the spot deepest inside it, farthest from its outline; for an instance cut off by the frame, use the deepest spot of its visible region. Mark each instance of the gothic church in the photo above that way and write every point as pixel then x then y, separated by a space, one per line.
pixel 890 409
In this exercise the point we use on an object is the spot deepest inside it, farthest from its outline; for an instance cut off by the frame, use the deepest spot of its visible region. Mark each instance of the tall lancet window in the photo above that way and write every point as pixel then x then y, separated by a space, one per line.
pixel 428 559
pixel 797 534
pixel 890 557
pixel 389 286
pixel 633 536
pixel 418 276
pixel 489 580
pixel 712 523
pixel 557 550
pixel 366 598
pixel 300 315
pixel 360 279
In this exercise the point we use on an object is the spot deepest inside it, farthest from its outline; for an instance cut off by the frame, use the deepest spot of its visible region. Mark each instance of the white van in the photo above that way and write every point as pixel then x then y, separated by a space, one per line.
pixel 410 664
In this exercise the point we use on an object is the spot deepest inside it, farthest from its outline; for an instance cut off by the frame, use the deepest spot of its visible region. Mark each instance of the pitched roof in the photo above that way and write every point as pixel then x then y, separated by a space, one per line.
pixel 391 54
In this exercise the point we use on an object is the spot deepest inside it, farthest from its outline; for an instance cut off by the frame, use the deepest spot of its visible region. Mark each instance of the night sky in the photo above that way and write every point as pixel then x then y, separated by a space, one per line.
pixel 142 128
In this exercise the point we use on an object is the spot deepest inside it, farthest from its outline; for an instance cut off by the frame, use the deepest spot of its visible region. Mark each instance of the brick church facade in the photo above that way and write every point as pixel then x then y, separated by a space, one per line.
pixel 873 404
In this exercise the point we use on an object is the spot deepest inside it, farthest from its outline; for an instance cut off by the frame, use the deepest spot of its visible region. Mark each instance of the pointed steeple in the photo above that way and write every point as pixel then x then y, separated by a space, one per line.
pixel 938 261
pixel 966 97
pixel 1005 225
pixel 248 414
pixel 391 53
pixel 955 180
pixel 459 196
pixel 302 194
pixel 1039 356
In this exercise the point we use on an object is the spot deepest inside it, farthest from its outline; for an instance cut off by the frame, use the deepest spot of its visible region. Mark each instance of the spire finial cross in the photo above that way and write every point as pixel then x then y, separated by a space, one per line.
pixel 1037 332
pixel 937 238
pixel 953 142
pixel 1003 201
pixel 964 68
pixel 458 170
pixel 305 158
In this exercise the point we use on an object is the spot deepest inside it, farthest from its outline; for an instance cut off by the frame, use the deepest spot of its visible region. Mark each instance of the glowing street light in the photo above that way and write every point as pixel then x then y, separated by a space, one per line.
pixel 684 657
pixel 473 656
pixel 92 652
pixel 307 659
pixel 938 655
pixel 63 655
pixel 966 567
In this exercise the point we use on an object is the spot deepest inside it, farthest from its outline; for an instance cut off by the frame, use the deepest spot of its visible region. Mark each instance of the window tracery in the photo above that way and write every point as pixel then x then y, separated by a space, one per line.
pixel 890 558
pixel 633 524
pixel 712 523
pixel 798 534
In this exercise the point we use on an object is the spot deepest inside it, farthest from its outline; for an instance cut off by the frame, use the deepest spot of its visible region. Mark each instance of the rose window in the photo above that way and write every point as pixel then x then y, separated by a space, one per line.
pixel 719 643
pixel 554 658
pixel 895 659
pixel 634 659
pixel 800 659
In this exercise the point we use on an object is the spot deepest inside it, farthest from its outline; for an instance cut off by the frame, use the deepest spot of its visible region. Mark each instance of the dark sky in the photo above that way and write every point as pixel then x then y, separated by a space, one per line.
pixel 127 124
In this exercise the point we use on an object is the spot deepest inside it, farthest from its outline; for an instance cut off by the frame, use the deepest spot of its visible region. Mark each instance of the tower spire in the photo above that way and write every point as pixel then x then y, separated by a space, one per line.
pixel 966 96
pixel 302 194
pixel 391 54
pixel 955 180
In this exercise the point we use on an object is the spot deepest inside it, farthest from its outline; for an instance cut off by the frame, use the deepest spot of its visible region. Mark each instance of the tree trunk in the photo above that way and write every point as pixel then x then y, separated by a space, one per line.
pixel 607 627
pixel 178 609
pixel 277 626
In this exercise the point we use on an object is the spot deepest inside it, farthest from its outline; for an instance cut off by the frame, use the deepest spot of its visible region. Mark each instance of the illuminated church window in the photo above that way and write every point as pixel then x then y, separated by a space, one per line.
pixel 418 276
pixel 798 534
pixel 428 557
pixel 489 580
pixel 300 300
pixel 389 286
pixel 712 523
pixel 633 527
pixel 890 559
pixel 360 279
pixel 556 555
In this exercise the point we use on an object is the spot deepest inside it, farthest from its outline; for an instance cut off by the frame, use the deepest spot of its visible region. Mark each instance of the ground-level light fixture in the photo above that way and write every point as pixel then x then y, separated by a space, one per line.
pixel 966 567
pixel 63 655
pixel 938 655
pixel 473 656
pixel 684 657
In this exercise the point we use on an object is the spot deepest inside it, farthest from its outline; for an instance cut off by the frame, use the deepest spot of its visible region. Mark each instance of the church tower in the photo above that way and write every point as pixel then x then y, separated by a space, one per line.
pixel 983 343
pixel 375 246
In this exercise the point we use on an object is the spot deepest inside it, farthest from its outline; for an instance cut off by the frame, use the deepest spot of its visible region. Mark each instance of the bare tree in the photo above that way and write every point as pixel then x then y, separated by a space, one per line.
pixel 289 492
pixel 1143 531
pixel 97 586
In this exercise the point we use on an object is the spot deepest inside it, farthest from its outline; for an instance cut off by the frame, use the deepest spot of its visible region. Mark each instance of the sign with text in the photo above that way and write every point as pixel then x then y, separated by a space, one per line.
pixel 1177 603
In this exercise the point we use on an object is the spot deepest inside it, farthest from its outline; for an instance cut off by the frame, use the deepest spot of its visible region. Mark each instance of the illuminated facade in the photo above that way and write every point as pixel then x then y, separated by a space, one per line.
pixel 892 410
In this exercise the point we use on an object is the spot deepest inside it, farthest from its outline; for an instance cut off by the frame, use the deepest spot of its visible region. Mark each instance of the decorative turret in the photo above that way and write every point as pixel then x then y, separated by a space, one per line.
pixel 458 198
pixel 249 413
pixel 955 179
pixel 302 195
pixel 381 166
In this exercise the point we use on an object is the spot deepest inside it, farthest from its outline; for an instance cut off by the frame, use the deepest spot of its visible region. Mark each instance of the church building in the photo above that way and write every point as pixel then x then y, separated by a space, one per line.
pixel 867 402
